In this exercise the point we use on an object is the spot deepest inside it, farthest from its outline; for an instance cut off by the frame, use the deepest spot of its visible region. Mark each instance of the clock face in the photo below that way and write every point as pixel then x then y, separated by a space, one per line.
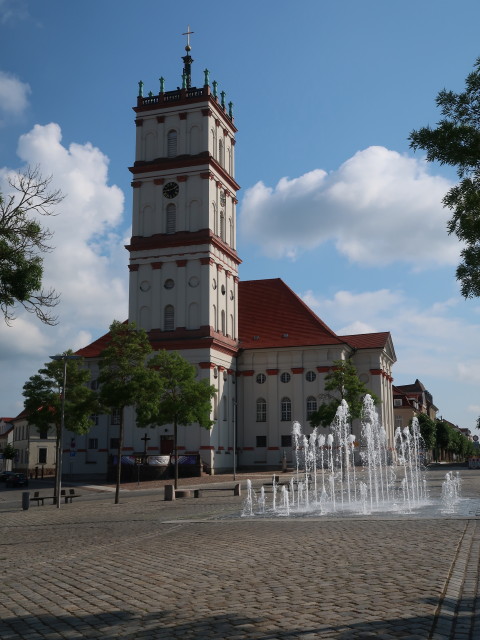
pixel 170 190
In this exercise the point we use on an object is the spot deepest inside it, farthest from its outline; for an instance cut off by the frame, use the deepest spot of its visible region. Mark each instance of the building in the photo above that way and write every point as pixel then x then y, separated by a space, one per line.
pixel 265 351
pixel 6 437
pixel 35 449
pixel 409 400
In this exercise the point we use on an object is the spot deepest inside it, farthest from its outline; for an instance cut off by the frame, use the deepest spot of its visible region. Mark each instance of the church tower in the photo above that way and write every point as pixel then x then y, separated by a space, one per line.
pixel 183 258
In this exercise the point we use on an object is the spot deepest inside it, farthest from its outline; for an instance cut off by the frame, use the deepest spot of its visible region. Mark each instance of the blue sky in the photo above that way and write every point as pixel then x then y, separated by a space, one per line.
pixel 332 200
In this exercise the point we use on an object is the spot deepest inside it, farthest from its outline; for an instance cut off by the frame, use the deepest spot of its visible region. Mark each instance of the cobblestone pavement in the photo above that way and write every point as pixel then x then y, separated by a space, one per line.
pixel 193 569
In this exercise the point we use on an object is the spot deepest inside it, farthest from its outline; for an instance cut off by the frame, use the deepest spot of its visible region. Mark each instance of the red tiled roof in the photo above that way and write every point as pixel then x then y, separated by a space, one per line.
pixel 271 315
pixel 94 348
pixel 367 340
pixel 271 311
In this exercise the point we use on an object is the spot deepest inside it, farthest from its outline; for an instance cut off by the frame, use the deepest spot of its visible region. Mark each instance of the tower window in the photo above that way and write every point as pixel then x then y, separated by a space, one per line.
pixel 172 143
pixel 285 377
pixel 169 318
pixel 261 377
pixel 171 218
pixel 261 410
pixel 311 375
pixel 286 409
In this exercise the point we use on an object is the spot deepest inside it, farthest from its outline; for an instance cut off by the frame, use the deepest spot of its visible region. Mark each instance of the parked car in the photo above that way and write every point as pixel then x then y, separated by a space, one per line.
pixel 4 475
pixel 17 480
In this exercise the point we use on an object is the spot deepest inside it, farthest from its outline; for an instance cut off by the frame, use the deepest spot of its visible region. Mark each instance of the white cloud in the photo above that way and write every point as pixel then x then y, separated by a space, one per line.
pixel 13 95
pixel 433 342
pixel 379 207
pixel 88 265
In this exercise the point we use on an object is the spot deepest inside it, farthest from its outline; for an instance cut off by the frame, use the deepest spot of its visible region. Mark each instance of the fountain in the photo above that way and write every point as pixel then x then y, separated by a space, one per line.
pixel 328 479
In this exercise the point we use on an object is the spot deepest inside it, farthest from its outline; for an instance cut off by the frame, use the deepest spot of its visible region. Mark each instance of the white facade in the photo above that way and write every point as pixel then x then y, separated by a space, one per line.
pixel 184 290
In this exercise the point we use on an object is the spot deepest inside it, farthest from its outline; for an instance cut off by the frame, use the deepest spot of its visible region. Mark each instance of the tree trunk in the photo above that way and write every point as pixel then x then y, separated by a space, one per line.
pixel 119 460
pixel 175 448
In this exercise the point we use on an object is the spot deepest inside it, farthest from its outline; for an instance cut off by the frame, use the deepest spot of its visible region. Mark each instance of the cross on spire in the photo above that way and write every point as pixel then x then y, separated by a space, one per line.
pixel 187 62
pixel 188 33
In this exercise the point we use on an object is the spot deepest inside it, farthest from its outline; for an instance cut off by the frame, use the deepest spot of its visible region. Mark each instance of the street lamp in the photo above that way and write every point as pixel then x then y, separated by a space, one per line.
pixel 58 480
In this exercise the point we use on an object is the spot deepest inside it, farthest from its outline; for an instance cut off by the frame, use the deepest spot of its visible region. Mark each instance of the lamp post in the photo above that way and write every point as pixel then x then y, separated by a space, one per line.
pixel 58 479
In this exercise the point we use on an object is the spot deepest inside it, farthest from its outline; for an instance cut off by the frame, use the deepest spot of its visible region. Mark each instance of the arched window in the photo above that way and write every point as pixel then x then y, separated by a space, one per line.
pixel 214 310
pixel 172 143
pixel 171 218
pixel 311 406
pixel 222 225
pixel 230 229
pixel 261 410
pixel 221 156
pixel 286 409
pixel 169 318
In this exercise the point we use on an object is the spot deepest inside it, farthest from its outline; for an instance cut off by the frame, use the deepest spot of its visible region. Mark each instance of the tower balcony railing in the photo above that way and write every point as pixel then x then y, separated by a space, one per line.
pixel 173 96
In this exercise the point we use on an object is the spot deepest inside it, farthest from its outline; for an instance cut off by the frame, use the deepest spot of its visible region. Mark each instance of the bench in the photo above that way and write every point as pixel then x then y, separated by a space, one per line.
pixel 197 493
pixel 63 494
pixel 38 498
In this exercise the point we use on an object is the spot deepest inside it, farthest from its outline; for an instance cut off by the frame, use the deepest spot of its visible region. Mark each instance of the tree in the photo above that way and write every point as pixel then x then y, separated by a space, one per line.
pixel 23 240
pixel 124 378
pixel 428 429
pixel 342 383
pixel 444 435
pixel 456 142
pixel 178 399
pixel 44 394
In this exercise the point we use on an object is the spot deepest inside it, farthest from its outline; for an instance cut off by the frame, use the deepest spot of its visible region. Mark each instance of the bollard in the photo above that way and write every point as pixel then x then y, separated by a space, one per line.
pixel 197 493
pixel 25 500
pixel 169 492
pixel 237 490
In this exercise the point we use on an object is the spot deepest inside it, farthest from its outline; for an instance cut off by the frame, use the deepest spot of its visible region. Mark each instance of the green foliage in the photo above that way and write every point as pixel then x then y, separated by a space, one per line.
pixel 123 374
pixel 444 435
pixel 342 383
pixel 456 142
pixel 9 451
pixel 22 241
pixel 43 397
pixel 176 396
pixel 124 379
pixel 428 430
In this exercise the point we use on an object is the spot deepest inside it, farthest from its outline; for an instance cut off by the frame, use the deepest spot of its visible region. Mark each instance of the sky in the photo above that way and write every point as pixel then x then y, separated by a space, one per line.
pixel 333 201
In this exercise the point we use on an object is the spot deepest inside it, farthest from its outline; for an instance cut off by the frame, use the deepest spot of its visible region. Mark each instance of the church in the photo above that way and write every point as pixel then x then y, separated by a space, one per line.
pixel 256 341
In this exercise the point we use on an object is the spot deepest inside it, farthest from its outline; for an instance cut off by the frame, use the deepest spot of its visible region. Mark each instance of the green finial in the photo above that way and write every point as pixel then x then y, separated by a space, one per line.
pixel 150 94
pixel 215 85
pixel 140 89
pixel 184 80
pixel 223 94
pixel 162 85
pixel 230 110
pixel 207 74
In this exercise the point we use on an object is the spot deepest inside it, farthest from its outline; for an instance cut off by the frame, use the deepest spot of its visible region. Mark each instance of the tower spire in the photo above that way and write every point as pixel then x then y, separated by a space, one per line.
pixel 187 61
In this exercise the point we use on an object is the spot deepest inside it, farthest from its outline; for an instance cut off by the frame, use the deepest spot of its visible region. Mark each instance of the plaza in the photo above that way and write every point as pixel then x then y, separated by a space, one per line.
pixel 194 568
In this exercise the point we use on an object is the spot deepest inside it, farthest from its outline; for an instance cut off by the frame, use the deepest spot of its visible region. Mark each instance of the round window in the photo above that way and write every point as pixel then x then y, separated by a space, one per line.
pixel 223 289
pixel 261 377
pixel 311 376
pixel 194 281
pixel 214 284
pixel 285 377
pixel 169 284
pixel 144 286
